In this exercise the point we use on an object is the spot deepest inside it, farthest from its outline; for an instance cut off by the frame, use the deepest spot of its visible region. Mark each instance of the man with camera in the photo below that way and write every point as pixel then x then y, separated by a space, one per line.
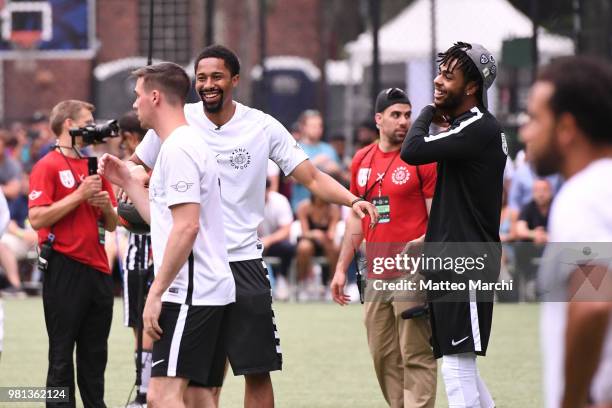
pixel 71 207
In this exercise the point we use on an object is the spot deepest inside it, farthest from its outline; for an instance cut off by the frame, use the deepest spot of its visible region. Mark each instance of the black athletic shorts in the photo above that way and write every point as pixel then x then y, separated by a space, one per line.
pixel 192 344
pixel 252 341
pixel 461 326
pixel 131 314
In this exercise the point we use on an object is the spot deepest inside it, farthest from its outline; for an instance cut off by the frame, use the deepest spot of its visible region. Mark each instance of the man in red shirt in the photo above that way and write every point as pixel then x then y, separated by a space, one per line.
pixel 71 210
pixel 403 360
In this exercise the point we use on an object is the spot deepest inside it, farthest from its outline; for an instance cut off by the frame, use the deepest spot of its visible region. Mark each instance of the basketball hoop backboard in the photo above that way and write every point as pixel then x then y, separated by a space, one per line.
pixel 47 28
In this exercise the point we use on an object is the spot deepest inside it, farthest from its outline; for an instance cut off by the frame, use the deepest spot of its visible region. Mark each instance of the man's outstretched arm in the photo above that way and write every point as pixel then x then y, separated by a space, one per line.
pixel 328 189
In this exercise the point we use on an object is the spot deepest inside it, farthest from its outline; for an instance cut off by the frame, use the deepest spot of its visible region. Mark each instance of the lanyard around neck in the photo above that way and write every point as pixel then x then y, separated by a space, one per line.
pixel 381 177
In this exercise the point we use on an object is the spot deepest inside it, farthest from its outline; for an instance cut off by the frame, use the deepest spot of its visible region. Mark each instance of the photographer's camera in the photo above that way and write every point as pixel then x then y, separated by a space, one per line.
pixel 95 134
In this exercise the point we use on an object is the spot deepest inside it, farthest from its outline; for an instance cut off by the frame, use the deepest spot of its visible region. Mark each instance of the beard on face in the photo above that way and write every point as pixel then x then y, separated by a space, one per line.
pixel 397 139
pixel 212 107
pixel 451 100
pixel 393 138
pixel 550 160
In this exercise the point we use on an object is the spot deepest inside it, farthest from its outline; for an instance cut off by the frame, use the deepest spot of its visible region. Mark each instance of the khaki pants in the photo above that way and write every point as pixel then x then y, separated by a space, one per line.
pixel 403 360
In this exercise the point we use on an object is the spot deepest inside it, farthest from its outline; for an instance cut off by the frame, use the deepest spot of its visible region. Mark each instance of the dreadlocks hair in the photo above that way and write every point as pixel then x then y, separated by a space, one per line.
pixel 464 63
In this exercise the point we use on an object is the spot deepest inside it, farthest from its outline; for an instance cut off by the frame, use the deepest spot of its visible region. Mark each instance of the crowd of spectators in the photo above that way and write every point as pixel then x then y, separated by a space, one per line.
pixel 301 234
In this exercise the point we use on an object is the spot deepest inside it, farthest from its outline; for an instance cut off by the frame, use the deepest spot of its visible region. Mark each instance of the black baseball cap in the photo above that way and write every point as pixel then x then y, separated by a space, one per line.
pixel 390 96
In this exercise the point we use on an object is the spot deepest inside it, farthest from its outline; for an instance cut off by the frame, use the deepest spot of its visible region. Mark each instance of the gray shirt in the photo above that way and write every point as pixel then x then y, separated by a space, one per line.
pixel 9 170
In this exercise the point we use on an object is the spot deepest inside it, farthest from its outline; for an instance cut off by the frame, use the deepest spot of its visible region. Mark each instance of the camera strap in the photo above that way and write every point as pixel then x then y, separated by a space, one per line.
pixel 51 236
pixel 58 147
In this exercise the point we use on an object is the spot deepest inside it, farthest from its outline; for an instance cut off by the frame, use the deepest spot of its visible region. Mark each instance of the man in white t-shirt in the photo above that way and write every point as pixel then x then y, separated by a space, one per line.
pixel 193 282
pixel 243 139
pixel 568 132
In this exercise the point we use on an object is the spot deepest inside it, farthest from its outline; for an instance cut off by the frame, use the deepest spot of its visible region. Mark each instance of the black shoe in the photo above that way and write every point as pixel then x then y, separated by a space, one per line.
pixel 13 292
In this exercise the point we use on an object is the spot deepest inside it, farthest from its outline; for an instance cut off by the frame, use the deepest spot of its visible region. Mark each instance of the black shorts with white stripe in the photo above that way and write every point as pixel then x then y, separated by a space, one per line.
pixel 461 326
pixel 192 345
pixel 253 343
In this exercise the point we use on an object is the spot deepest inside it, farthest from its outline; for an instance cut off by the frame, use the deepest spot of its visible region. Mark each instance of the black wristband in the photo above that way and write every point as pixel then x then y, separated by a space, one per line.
pixel 356 201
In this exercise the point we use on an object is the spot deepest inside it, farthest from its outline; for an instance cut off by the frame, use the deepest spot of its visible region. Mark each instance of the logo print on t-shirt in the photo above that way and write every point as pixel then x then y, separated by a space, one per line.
pixel 504 143
pixel 34 195
pixel 182 186
pixel 240 158
pixel 400 175
pixel 362 176
pixel 66 178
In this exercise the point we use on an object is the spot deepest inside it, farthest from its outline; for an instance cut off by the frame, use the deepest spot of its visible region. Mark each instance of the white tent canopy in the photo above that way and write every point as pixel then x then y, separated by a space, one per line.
pixel 488 22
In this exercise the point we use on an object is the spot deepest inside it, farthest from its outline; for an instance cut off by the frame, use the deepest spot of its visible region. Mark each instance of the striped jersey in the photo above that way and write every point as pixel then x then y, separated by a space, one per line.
pixel 139 252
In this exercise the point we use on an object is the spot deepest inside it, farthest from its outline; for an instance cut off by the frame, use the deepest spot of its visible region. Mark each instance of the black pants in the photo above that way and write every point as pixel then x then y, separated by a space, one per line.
pixel 285 251
pixel 78 304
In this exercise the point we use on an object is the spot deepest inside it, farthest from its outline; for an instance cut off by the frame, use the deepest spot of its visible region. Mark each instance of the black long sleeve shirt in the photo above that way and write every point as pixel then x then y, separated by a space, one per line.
pixel 471 156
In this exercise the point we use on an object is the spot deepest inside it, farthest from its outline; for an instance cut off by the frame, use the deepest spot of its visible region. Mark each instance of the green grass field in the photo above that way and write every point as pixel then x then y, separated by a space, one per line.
pixel 326 360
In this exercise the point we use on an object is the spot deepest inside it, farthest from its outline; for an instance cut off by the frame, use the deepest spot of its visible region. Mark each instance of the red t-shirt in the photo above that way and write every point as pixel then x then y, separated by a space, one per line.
pixel 76 235
pixel 406 187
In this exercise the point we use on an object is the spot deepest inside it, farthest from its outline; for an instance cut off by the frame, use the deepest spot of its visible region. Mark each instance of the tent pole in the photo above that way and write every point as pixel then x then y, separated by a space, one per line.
pixel 434 67
pixel 375 14
pixel 150 56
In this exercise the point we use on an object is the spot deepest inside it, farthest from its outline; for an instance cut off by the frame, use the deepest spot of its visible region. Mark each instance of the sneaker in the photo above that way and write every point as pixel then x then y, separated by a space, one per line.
pixel 281 291
pixel 313 284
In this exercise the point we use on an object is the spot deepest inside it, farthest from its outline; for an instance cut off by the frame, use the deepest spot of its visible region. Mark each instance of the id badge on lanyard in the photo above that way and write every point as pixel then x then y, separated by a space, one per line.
pixel 382 203
pixel 384 208
pixel 101 232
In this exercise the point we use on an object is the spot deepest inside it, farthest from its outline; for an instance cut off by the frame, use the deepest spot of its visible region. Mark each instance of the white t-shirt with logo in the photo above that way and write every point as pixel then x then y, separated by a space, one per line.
pixel 242 147
pixel 581 213
pixel 186 172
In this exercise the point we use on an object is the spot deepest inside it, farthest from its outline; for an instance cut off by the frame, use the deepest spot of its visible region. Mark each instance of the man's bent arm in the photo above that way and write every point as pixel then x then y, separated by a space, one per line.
pixel 461 143
pixel 185 228
pixel 46 216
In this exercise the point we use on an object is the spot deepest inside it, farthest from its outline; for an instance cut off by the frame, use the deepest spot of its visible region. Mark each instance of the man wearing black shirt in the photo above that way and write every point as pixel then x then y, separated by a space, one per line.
pixel 471 154
pixel 532 230
pixel 533 220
